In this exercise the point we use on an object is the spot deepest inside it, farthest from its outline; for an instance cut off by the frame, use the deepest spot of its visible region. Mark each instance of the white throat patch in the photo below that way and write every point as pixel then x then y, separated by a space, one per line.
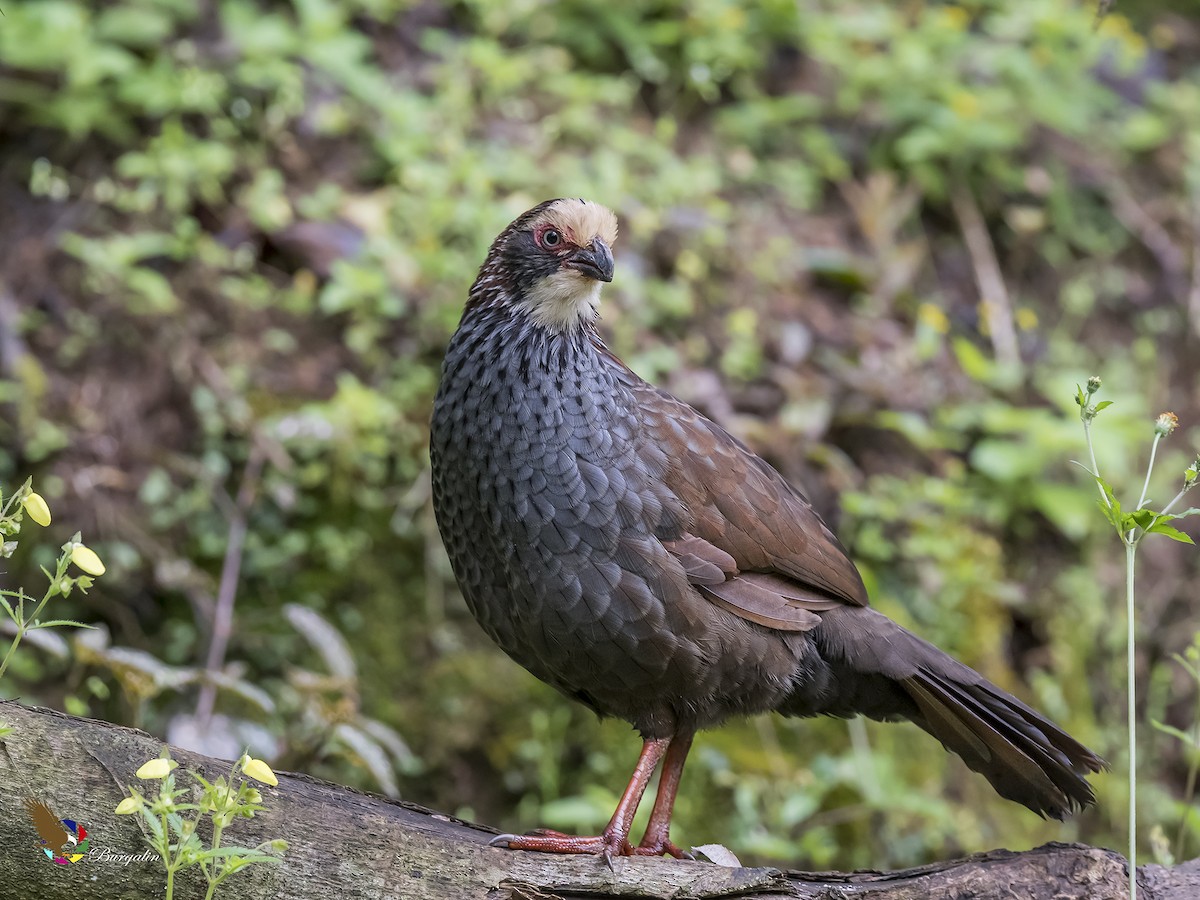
pixel 564 300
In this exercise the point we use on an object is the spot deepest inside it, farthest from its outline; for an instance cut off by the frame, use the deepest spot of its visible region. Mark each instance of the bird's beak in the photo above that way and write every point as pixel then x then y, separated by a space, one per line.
pixel 594 262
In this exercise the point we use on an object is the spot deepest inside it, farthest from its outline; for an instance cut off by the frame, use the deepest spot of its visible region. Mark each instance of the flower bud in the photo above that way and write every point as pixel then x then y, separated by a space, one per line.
pixel 128 806
pixel 36 506
pixel 85 557
pixel 156 768
pixel 1093 384
pixel 1166 423
pixel 259 771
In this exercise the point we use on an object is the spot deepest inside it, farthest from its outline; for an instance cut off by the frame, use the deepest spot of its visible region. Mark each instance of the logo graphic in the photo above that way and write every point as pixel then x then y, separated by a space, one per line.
pixel 64 841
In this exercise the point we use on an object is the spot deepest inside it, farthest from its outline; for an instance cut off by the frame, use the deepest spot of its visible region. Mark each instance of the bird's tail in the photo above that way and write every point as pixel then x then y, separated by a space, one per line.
pixel 1025 756
pixel 895 674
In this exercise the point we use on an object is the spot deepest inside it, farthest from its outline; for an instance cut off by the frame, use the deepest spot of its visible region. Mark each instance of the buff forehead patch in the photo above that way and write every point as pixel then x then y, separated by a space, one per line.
pixel 581 220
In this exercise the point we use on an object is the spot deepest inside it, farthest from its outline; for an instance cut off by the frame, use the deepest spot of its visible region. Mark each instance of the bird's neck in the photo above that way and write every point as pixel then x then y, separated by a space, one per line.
pixel 504 332
pixel 562 303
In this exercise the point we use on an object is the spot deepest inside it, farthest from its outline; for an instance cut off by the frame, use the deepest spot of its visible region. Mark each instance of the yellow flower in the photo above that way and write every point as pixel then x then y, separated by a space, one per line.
pixel 964 103
pixel 128 806
pixel 259 771
pixel 933 317
pixel 36 506
pixel 156 768
pixel 1026 318
pixel 956 17
pixel 85 557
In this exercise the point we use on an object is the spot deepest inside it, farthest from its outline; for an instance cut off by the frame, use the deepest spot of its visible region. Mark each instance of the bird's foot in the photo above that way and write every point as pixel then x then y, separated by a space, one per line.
pixel 660 846
pixel 545 840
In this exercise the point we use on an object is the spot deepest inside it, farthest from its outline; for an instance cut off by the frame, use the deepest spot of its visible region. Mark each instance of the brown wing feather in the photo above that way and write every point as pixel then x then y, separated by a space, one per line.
pixel 761 597
pixel 743 597
pixel 48 826
pixel 786 564
pixel 704 563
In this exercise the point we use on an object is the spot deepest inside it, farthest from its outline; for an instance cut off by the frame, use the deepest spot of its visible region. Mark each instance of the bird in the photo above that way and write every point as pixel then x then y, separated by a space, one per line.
pixel 54 839
pixel 644 562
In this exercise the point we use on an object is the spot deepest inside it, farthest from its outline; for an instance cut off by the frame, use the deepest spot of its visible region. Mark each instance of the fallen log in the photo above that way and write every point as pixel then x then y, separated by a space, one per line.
pixel 349 844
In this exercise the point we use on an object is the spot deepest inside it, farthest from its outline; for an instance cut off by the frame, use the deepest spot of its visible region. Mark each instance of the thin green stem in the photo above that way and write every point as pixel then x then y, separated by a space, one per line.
pixel 1174 500
pixel 16 641
pixel 12 649
pixel 170 883
pixel 6 511
pixel 23 621
pixel 212 875
pixel 1130 684
pixel 1087 433
pixel 1149 469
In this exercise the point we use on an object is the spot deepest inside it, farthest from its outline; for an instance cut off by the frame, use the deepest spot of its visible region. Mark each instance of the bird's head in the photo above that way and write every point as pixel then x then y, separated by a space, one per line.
pixel 550 263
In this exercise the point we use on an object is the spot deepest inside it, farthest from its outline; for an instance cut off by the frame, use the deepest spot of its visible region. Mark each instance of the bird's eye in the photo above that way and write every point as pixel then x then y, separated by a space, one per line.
pixel 551 238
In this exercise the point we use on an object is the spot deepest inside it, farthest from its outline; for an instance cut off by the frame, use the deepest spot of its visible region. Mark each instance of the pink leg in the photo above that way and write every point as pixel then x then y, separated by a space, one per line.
pixel 657 839
pixel 614 840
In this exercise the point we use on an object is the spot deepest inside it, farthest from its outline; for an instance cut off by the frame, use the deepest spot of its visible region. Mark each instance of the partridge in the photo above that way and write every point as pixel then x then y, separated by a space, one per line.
pixel 644 562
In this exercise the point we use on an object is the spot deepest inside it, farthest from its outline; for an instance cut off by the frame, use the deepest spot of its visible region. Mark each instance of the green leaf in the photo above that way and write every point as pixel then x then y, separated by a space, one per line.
pixel 1193 511
pixel 237 863
pixel 1111 509
pixel 1173 533
pixel 1112 499
pixel 155 825
pixel 1103 404
pixel 243 852
pixel 1080 397
pixel 1112 514
pixel 1174 732
pixel 1186 664
pixel 1140 518
pixel 1069 508
pixel 324 638
pixel 56 623
pixel 176 822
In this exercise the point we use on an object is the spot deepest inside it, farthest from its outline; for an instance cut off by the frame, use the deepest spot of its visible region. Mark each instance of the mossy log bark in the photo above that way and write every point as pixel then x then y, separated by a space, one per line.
pixel 348 844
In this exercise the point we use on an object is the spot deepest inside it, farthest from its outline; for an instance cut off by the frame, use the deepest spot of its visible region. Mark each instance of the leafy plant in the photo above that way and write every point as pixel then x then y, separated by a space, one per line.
pixel 1189 661
pixel 171 824
pixel 1131 528
pixel 23 610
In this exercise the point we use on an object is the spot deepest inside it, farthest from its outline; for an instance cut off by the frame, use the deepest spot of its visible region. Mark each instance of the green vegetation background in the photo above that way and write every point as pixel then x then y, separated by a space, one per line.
pixel 237 235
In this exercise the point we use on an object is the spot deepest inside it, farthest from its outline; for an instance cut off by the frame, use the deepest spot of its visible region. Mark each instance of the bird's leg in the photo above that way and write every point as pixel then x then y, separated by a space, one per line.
pixel 614 840
pixel 656 840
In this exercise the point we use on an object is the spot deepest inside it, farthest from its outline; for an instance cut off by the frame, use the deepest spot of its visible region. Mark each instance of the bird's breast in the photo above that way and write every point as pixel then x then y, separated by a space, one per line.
pixel 546 511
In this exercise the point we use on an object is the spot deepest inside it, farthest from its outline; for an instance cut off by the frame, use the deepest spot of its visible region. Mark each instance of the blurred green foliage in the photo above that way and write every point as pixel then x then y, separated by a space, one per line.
pixel 238 237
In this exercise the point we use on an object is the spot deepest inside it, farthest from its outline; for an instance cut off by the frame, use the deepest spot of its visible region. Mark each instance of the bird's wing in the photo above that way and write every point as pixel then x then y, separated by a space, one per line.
pixel 48 826
pixel 749 541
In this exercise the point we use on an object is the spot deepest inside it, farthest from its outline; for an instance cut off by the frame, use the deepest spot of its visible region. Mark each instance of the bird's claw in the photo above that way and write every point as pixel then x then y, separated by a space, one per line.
pixel 661 848
pixel 546 840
